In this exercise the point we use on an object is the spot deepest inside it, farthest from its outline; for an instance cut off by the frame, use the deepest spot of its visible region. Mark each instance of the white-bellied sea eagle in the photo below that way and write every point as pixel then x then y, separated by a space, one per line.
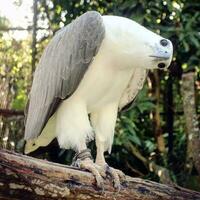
pixel 90 70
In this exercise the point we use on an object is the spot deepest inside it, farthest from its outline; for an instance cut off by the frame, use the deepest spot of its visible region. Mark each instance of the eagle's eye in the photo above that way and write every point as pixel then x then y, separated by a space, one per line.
pixel 161 65
pixel 164 42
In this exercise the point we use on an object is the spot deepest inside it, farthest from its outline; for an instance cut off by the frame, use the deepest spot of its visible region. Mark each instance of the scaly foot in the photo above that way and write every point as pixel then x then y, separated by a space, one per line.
pixel 83 160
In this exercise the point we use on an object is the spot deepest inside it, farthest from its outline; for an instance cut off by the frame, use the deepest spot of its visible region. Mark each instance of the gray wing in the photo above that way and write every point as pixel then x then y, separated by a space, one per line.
pixel 61 68
pixel 135 85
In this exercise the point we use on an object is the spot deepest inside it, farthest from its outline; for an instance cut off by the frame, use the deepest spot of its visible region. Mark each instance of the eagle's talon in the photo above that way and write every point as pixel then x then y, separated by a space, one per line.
pixel 89 165
pixel 117 176
pixel 121 175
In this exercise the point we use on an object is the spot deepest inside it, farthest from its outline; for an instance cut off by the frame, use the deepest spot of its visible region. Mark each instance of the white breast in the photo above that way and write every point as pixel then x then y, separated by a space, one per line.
pixel 109 74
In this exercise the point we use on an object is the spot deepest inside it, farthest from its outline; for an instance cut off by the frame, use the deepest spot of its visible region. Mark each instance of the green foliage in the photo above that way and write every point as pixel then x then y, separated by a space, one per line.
pixel 4 23
pixel 15 69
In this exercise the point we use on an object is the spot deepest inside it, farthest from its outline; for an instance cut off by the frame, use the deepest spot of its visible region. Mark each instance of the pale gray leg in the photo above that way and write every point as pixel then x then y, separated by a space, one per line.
pixel 116 175
pixel 103 123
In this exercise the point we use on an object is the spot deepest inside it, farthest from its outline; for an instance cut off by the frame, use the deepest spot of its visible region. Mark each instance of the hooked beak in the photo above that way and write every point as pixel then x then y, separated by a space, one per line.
pixel 161 60
pixel 162 53
pixel 157 58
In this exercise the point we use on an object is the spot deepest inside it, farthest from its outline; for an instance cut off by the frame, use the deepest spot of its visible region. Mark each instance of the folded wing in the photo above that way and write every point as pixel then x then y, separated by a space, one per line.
pixel 135 85
pixel 61 68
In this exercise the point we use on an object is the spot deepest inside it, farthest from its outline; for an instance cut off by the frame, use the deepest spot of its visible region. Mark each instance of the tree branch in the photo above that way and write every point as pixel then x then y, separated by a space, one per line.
pixel 29 28
pixel 7 112
pixel 24 177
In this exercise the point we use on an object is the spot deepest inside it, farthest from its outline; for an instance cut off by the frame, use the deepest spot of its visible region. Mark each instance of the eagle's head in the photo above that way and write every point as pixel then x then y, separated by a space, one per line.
pixel 160 53
pixel 150 50
pixel 138 47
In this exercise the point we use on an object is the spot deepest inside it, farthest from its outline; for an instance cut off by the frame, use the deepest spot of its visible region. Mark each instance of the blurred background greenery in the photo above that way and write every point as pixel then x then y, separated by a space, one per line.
pixel 153 138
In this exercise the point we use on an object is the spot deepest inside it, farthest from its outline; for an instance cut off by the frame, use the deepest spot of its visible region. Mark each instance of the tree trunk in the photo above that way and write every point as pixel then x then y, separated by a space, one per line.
pixel 192 126
pixel 169 115
pixel 23 177
pixel 157 121
pixel 34 35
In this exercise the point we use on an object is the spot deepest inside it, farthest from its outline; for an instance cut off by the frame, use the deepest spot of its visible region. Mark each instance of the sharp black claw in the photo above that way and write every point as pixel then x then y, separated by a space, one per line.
pixel 124 183
pixel 109 172
pixel 117 187
pixel 101 188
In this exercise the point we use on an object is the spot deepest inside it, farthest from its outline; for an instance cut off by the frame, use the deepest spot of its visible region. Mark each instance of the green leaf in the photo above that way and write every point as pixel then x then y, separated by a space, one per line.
pixel 133 136
pixel 195 41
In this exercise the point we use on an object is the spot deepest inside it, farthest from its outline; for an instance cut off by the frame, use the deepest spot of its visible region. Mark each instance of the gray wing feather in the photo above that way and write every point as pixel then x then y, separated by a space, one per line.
pixel 61 68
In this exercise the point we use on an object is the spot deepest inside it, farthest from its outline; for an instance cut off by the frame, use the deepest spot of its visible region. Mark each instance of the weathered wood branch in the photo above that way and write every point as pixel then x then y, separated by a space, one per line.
pixel 23 177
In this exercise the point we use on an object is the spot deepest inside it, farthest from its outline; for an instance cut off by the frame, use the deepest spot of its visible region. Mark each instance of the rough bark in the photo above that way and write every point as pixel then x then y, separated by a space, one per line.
pixel 23 177
pixel 192 126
